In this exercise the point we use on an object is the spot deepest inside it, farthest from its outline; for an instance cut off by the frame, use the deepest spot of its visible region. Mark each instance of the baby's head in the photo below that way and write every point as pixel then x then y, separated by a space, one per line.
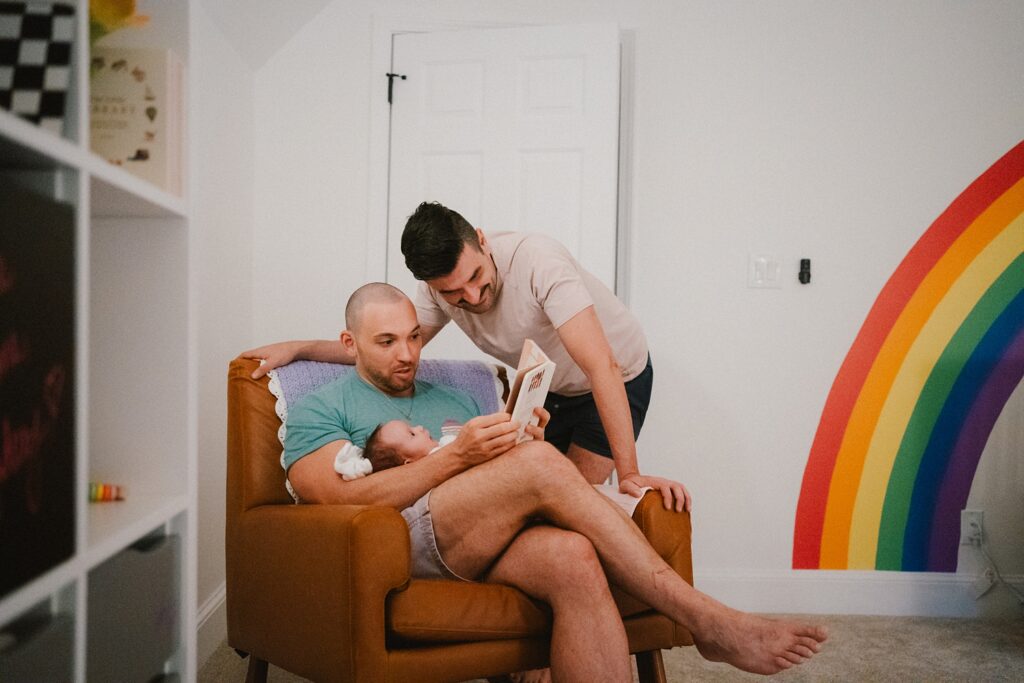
pixel 396 443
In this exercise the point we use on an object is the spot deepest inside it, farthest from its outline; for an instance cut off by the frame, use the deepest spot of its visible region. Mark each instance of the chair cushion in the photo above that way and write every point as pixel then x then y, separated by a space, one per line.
pixel 435 610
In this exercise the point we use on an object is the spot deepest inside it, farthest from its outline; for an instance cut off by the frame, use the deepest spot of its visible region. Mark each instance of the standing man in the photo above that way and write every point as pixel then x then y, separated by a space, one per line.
pixel 512 286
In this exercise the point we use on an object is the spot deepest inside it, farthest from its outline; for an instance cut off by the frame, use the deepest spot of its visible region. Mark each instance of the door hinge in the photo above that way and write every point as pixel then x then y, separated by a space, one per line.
pixel 391 83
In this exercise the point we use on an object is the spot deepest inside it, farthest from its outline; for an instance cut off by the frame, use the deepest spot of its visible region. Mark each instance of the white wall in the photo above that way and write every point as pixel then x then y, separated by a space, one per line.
pixel 311 154
pixel 835 131
pixel 222 135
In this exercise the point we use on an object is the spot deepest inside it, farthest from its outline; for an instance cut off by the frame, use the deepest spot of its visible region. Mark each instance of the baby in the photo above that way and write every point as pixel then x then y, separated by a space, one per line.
pixel 397 443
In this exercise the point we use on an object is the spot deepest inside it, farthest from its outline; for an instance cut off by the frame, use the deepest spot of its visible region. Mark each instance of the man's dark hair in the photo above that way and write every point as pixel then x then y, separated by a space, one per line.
pixel 381 457
pixel 433 240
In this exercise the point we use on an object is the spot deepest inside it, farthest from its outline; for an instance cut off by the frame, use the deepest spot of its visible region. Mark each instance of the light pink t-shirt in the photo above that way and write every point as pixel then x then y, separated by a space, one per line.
pixel 541 287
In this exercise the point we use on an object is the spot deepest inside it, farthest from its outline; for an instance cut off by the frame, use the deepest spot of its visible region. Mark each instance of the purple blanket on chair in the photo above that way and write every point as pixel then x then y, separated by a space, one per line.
pixel 473 377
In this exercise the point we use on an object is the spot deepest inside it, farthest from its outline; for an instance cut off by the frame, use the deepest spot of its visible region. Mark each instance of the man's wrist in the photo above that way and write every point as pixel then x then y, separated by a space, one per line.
pixel 456 455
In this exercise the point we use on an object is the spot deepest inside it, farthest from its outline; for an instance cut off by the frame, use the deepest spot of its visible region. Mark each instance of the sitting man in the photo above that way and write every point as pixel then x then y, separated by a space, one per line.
pixel 472 509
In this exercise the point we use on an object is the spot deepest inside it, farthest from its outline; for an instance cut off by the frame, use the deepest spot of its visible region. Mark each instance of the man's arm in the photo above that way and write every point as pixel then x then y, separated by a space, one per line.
pixel 314 480
pixel 324 350
pixel 584 339
pixel 283 353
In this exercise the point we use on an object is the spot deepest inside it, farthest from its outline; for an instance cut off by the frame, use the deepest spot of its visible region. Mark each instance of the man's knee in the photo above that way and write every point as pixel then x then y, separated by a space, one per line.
pixel 576 550
pixel 570 562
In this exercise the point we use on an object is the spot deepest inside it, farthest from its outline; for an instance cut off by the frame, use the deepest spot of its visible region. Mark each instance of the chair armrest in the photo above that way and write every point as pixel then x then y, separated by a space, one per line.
pixel 344 560
pixel 667 531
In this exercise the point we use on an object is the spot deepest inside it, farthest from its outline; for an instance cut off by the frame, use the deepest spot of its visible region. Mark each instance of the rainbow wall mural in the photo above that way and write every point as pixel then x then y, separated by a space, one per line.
pixel 914 402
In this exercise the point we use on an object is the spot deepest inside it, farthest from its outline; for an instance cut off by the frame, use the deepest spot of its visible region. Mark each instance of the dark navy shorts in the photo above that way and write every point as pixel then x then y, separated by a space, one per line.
pixel 574 419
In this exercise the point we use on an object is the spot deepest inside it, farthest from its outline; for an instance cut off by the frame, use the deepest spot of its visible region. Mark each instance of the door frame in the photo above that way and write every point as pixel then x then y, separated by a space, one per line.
pixel 383 30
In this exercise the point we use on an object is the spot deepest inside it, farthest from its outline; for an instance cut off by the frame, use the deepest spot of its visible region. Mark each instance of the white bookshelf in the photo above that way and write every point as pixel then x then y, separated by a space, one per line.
pixel 135 351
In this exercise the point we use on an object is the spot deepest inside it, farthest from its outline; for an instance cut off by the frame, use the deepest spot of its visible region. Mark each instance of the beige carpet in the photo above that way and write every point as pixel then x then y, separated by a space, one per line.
pixel 876 649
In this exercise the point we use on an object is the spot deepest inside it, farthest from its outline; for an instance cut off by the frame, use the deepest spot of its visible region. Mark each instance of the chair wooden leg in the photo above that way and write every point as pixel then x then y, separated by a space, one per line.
pixel 257 672
pixel 650 667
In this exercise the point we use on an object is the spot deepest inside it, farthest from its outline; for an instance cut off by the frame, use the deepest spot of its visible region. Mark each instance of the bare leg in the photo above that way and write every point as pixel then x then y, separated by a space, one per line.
pixel 588 641
pixel 478 513
pixel 595 468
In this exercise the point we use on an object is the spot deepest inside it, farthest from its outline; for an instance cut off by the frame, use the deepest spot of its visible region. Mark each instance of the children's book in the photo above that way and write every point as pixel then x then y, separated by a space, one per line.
pixel 530 387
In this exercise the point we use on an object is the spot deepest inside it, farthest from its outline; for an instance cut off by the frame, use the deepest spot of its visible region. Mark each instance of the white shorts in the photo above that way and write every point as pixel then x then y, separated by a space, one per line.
pixel 426 559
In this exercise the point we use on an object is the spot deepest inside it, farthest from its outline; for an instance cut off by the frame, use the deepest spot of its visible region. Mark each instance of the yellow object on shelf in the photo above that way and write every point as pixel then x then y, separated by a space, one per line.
pixel 107 16
pixel 102 493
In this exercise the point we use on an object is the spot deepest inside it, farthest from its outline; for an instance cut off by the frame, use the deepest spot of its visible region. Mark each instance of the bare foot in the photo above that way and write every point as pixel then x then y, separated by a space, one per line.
pixel 756 644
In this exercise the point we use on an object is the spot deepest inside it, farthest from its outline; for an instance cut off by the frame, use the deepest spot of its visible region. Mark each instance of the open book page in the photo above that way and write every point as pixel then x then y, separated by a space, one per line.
pixel 530 387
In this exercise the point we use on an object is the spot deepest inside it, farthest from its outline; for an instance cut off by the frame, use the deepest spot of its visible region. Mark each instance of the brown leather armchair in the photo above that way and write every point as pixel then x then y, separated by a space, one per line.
pixel 324 591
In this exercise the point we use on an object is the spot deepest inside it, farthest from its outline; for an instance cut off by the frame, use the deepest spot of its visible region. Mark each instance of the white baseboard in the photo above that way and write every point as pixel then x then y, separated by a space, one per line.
pixel 212 625
pixel 922 594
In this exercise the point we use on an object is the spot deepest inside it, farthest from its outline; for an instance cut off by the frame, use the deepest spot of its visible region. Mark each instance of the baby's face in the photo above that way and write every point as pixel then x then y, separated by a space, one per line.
pixel 411 443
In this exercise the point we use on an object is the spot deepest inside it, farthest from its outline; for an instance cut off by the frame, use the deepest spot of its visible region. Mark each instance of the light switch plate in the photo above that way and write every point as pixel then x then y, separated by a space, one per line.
pixel 763 271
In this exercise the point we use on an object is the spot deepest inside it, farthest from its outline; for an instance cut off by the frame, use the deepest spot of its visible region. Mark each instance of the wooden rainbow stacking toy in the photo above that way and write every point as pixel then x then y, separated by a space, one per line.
pixel 105 492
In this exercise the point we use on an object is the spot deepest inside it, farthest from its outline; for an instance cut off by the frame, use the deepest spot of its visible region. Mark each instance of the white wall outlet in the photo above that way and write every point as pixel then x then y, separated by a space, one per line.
pixel 972 527
pixel 763 271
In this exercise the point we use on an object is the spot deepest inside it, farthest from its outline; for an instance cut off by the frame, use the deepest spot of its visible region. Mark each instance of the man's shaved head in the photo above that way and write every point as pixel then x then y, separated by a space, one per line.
pixel 372 293
pixel 384 337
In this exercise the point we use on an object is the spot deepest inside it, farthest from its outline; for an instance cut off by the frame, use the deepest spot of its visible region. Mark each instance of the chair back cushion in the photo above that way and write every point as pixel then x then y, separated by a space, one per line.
pixel 480 380
pixel 290 383
pixel 258 409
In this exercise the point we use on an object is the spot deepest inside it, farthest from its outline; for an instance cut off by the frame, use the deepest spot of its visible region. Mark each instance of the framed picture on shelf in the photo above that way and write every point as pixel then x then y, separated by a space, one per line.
pixel 37 379
pixel 135 112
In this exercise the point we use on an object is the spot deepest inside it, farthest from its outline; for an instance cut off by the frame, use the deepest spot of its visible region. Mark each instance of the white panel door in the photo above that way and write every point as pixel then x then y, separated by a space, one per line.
pixel 516 129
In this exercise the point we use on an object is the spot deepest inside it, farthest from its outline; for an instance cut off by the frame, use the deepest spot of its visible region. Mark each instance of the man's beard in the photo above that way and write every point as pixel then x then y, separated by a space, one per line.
pixel 389 383
pixel 486 301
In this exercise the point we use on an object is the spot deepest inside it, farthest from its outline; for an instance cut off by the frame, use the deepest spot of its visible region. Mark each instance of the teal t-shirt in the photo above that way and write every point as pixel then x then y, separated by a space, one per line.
pixel 349 408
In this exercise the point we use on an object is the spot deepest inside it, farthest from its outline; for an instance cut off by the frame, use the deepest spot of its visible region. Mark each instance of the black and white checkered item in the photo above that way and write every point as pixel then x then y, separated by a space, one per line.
pixel 36 44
